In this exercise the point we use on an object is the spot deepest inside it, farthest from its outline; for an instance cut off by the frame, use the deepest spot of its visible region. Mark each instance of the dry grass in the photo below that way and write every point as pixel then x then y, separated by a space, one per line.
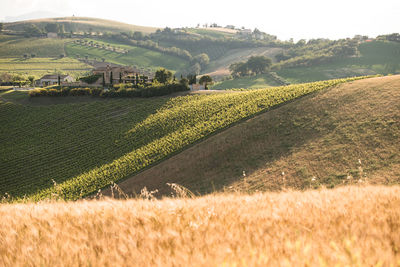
pixel 348 226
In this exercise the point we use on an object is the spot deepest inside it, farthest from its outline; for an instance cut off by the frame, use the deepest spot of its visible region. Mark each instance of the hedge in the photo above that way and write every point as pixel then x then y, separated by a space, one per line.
pixel 149 91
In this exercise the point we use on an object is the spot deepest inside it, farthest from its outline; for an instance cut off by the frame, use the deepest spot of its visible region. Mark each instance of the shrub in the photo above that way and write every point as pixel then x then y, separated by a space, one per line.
pixel 91 78
pixel 79 91
pixel 123 91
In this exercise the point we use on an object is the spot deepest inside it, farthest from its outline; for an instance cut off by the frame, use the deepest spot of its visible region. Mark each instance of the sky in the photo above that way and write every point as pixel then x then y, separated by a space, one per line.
pixel 284 18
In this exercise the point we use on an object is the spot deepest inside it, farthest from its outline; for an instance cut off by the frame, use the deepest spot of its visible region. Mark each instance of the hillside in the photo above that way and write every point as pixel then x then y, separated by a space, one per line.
pixel 375 57
pixel 201 50
pixel 16 46
pixel 38 67
pixel 81 24
pixel 349 226
pixel 251 82
pixel 336 136
pixel 220 66
pixel 85 143
pixel 135 56
pixel 381 57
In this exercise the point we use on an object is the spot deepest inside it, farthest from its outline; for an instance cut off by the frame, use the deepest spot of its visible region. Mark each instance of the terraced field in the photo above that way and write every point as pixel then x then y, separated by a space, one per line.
pixel 85 146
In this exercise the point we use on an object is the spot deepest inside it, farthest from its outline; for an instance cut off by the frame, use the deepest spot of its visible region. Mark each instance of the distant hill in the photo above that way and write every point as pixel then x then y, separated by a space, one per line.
pixel 204 51
pixel 32 15
pixel 336 136
pixel 381 57
pixel 81 24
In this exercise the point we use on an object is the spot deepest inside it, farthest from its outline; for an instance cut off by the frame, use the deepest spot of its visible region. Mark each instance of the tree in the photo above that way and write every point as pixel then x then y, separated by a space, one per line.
pixel 61 29
pixel 163 76
pixel 192 78
pixel 111 77
pixel 32 31
pixel 104 80
pixel 137 36
pixel 31 79
pixel 206 79
pixel 195 69
pixel 52 27
pixel 1 26
pixel 239 69
pixel 202 59
pixel 59 80
pixel 136 79
pixel 120 77
pixel 259 64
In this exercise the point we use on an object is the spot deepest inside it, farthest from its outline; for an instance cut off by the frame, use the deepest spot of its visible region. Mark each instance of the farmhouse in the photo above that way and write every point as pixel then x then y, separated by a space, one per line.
pixel 52 79
pixel 120 74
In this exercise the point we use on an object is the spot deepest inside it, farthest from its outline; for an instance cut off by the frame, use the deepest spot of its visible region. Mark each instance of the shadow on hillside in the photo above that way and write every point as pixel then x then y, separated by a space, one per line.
pixel 322 135
pixel 217 162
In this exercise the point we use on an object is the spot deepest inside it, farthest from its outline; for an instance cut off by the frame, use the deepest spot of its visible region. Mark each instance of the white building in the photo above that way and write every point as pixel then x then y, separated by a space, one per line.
pixel 52 79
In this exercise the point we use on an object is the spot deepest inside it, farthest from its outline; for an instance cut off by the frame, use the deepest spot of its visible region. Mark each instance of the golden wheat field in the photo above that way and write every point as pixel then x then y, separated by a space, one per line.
pixel 346 226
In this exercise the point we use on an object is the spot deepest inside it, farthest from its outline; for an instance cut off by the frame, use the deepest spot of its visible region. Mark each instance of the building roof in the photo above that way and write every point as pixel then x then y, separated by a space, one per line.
pixel 53 76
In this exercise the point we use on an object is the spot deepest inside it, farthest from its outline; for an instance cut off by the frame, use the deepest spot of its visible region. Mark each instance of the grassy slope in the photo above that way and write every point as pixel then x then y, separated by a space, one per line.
pixel 85 146
pixel 40 66
pixel 375 57
pixel 321 136
pixel 253 82
pixel 240 54
pixel 136 56
pixel 349 226
pixel 81 24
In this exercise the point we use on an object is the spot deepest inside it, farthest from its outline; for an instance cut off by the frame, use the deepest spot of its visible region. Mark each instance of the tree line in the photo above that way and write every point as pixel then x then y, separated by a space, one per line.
pixel 253 66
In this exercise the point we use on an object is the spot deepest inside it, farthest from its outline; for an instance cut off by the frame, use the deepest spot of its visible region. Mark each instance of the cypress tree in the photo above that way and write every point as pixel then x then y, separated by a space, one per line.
pixel 59 80
pixel 111 78
pixel 104 80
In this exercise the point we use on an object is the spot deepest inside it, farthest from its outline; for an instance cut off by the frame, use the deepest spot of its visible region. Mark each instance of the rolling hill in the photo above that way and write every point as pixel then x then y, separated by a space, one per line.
pixel 177 50
pixel 336 136
pixel 375 57
pixel 81 24
pixel 84 144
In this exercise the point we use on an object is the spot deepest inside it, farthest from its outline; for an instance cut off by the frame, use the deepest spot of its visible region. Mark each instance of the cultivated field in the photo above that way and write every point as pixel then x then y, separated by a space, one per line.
pixel 348 226
pixel 85 146
pixel 14 46
pixel 40 66
pixel 138 56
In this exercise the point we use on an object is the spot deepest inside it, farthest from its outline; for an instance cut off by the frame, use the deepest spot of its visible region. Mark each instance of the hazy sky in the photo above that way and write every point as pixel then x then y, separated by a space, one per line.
pixel 285 18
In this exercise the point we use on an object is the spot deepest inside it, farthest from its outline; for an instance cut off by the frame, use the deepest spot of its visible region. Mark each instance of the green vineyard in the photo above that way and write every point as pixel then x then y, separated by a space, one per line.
pixel 85 146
